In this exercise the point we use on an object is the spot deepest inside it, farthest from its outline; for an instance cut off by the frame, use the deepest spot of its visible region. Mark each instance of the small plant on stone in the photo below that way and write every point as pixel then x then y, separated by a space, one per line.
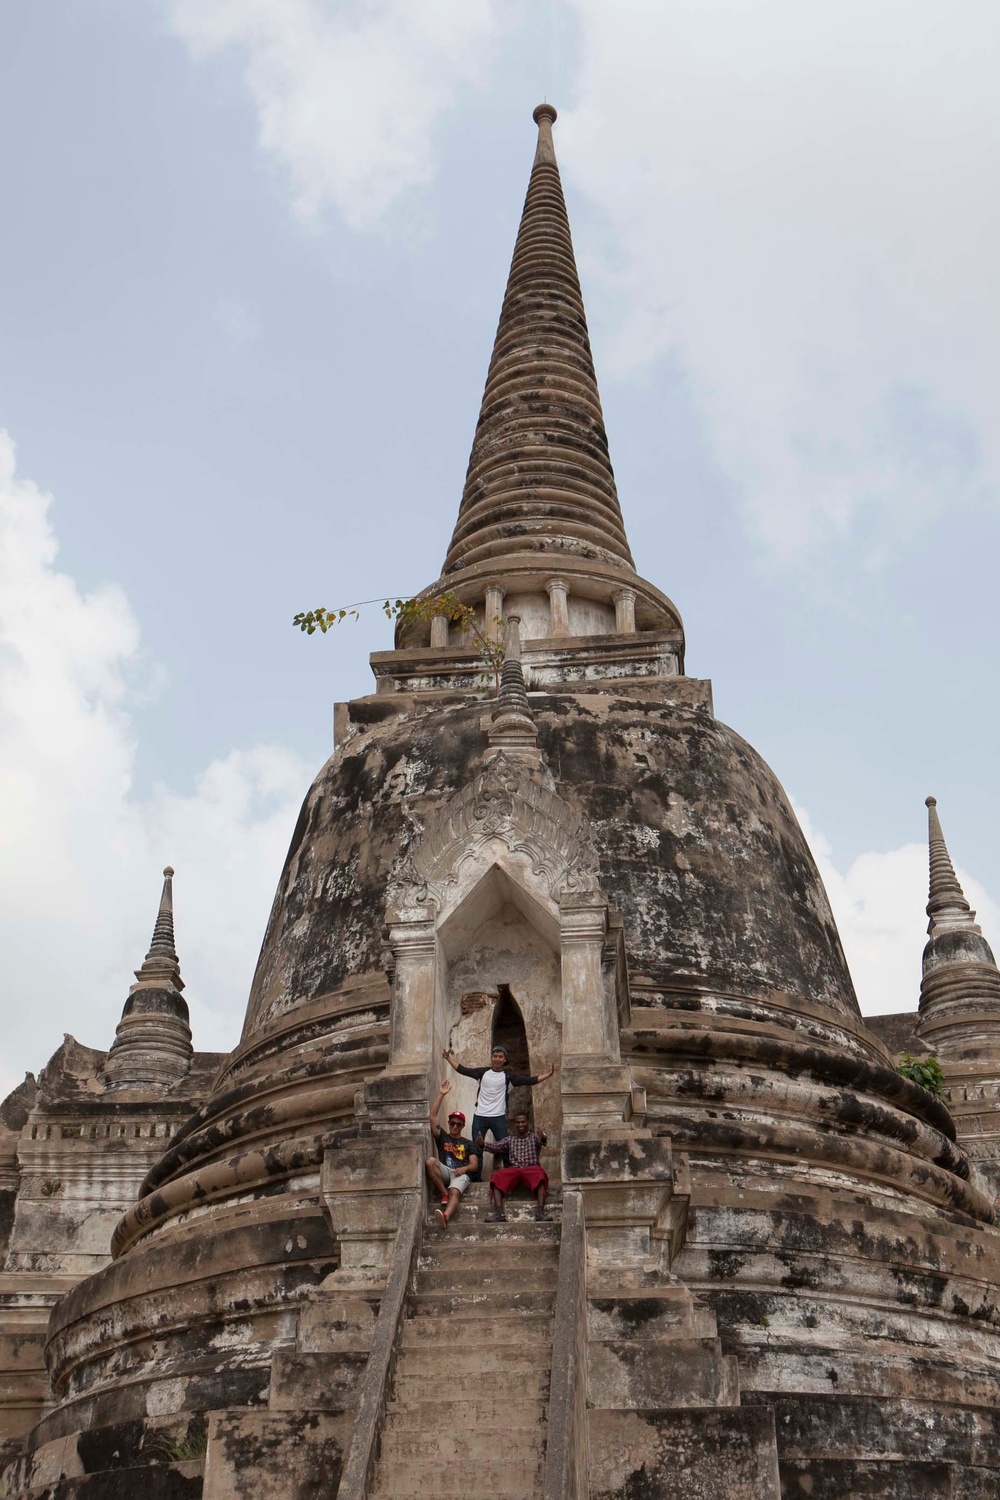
pixel 185 1450
pixel 50 1187
pixel 410 611
pixel 923 1070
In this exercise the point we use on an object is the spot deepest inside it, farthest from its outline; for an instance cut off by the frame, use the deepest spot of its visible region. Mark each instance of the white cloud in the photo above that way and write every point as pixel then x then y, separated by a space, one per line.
pixel 347 95
pixel 799 198
pixel 79 871
pixel 878 903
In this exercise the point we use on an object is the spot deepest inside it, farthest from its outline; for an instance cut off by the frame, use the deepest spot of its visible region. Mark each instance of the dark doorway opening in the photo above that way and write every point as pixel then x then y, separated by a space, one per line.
pixel 509 1032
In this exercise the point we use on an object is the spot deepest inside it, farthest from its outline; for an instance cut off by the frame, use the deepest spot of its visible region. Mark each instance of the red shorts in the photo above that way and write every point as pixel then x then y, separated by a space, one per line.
pixel 506 1178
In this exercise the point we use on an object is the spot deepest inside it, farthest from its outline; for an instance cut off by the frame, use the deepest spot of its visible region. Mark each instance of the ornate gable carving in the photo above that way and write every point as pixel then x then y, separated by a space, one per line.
pixel 510 803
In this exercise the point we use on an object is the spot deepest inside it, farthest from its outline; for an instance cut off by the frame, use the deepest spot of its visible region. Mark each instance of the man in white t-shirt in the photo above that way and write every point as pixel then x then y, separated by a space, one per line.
pixel 495 1084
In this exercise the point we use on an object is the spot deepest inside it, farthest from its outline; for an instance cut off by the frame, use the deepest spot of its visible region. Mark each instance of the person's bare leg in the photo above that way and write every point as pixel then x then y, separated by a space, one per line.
pixel 540 1195
pixel 433 1169
pixel 454 1199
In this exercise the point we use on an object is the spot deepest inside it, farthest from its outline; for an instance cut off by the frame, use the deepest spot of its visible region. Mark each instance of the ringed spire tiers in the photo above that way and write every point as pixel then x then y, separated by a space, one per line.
pixel 153 1041
pixel 960 984
pixel 540 478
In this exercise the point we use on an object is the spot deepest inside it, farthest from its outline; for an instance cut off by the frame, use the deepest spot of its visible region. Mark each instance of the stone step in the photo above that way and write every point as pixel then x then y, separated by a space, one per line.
pixel 460 1447
pixel 471 1223
pixel 483 1476
pixel 494 1249
pixel 504 1385
pixel 466 1493
pixel 467 1276
pixel 465 1332
pixel 447 1415
pixel 484 1305
pixel 481 1359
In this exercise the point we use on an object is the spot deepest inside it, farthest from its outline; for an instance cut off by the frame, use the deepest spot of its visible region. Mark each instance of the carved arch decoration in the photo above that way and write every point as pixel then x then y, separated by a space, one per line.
pixel 506 803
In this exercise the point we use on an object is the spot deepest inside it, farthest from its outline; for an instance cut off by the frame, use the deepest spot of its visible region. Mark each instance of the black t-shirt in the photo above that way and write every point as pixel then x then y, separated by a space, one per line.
pixel 454 1153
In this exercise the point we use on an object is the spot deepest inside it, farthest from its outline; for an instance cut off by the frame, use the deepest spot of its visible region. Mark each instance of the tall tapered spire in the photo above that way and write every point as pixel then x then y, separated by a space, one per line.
pixel 161 963
pixel 153 1041
pixel 960 987
pixel 539 478
pixel 946 904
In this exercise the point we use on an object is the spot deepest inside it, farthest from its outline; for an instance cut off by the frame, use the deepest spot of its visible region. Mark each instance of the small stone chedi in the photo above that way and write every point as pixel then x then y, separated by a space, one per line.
pixel 772 1268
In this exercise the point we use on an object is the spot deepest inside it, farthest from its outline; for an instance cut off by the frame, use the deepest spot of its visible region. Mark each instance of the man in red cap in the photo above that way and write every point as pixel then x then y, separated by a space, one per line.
pixel 450 1172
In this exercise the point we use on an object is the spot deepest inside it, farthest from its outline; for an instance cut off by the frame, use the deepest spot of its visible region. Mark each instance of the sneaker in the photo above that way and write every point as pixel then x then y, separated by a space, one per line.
pixel 440 1216
pixel 495 1217
pixel 542 1216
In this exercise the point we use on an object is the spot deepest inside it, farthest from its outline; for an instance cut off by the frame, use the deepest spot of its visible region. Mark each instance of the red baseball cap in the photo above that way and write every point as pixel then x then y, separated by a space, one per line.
pixel 456 1114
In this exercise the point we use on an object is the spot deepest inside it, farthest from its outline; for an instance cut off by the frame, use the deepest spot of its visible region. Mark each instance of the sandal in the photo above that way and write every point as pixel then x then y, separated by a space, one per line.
pixel 542 1216
pixel 495 1217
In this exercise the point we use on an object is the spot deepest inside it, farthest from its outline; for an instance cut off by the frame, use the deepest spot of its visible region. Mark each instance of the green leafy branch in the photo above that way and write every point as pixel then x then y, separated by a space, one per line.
pixel 923 1070
pixel 413 611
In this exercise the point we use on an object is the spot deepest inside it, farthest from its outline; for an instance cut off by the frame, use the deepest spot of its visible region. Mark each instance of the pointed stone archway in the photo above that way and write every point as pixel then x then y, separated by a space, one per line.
pixel 504 885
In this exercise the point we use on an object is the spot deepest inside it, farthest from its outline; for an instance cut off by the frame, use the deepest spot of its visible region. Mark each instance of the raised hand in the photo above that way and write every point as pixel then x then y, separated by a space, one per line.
pixel 445 1087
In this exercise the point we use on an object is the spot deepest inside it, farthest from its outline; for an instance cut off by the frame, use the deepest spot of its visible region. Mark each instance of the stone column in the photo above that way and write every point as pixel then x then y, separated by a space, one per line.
pixel 493 626
pixel 588 1030
pixel 595 1085
pixel 624 611
pixel 439 631
pixel 558 591
pixel 412 1024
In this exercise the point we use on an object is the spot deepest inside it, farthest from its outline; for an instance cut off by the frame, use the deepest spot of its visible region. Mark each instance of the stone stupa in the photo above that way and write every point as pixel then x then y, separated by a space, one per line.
pixel 773 1268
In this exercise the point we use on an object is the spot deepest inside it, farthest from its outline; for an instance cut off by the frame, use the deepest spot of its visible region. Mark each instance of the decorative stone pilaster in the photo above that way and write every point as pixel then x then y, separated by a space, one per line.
pixel 589 1031
pixel 558 592
pixel 439 631
pixel 624 600
pixel 365 1185
pixel 493 626
pixel 414 951
pixel 635 1201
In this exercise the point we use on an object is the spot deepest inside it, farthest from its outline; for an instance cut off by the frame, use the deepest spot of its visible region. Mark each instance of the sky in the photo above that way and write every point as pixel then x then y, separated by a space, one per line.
pixel 253 254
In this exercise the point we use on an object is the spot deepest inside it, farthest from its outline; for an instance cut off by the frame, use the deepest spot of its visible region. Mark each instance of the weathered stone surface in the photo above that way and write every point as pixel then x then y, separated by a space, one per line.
pixel 684 1455
pixel 274 1455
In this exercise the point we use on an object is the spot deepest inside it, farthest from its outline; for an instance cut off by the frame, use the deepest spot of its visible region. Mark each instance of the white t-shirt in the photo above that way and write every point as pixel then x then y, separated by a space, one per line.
pixel 492 1099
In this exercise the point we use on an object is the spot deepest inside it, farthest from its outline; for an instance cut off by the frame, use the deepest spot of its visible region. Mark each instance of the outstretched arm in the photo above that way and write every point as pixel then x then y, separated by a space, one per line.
pixel 449 1058
pixel 519 1080
pixel 496 1146
pixel 436 1108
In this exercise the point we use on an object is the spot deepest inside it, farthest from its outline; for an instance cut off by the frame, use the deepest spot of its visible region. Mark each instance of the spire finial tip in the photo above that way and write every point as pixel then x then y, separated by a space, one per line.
pixel 168 872
pixel 930 802
pixel 544 112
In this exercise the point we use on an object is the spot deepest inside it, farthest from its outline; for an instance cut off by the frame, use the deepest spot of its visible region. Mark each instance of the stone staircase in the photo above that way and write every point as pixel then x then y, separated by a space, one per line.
pixel 468 1412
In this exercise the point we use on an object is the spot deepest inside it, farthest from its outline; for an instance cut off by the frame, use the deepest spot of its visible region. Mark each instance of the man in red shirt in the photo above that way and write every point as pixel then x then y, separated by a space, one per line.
pixel 521 1150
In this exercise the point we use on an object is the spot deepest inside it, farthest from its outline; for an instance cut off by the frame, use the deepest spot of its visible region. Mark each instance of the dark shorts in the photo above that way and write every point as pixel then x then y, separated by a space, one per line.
pixel 507 1178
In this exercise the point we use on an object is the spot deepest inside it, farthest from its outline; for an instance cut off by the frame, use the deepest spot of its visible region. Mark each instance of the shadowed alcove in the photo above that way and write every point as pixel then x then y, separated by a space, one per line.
pixel 509 1032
